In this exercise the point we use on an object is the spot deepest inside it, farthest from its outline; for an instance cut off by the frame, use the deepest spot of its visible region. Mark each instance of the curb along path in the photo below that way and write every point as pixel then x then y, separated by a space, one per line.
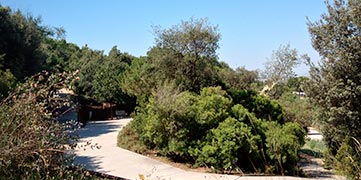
pixel 104 156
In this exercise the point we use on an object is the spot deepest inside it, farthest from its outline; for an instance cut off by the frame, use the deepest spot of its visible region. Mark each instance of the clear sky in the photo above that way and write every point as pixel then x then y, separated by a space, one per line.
pixel 250 29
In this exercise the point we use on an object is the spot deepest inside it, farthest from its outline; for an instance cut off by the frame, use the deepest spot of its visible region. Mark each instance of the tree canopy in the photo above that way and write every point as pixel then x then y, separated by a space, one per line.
pixel 186 54
pixel 280 67
pixel 191 107
pixel 20 40
pixel 201 111
pixel 20 47
pixel 335 84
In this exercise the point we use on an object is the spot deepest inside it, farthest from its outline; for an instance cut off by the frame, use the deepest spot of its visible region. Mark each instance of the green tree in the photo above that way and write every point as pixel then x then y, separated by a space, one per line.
pixel 195 37
pixel 59 55
pixel 15 51
pixel 283 144
pixel 27 47
pixel 186 53
pixel 20 41
pixel 138 78
pixel 279 68
pixel 296 84
pixel 108 77
pixel 239 79
pixel 87 65
pixel 335 84
pixel 298 109
pixel 100 76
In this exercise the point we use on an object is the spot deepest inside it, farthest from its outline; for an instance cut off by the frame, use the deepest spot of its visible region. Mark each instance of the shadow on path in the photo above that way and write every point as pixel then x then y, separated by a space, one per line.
pixel 90 163
pixel 97 128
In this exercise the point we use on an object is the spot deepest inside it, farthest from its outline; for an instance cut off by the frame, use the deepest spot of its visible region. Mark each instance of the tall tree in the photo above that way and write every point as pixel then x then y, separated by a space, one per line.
pixel 100 76
pixel 21 53
pixel 280 67
pixel 88 65
pixel 241 78
pixel 20 40
pixel 108 77
pixel 138 79
pixel 186 53
pixel 335 84
pixel 195 37
pixel 59 54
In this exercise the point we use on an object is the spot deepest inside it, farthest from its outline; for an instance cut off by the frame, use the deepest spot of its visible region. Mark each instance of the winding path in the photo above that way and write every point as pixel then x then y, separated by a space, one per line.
pixel 103 155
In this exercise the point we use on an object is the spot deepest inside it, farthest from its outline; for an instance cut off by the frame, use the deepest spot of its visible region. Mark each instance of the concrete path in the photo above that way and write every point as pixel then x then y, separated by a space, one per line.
pixel 314 134
pixel 103 155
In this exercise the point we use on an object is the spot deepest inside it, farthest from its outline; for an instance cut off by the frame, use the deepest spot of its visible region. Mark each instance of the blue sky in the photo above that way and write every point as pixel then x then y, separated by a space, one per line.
pixel 250 29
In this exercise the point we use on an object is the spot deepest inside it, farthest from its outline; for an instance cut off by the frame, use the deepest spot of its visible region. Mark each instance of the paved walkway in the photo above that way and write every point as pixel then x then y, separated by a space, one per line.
pixel 314 134
pixel 104 156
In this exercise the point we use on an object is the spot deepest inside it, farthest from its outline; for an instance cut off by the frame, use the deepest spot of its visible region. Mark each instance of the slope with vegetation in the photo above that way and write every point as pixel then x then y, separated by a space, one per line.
pixel 195 109
pixel 190 106
pixel 33 62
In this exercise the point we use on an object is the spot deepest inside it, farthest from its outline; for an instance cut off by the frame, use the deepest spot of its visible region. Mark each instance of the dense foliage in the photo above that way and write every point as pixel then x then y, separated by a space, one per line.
pixel 33 144
pixel 210 129
pixel 295 102
pixel 27 47
pixel 335 84
pixel 185 55
pixel 20 39
pixel 100 76
pixel 191 107
pixel 182 115
pixel 60 55
pixel 240 78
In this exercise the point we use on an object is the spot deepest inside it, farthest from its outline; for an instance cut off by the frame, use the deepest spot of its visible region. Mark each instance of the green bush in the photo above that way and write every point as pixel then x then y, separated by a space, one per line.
pixel 211 108
pixel 7 82
pixel 261 106
pixel 230 140
pixel 165 119
pixel 128 138
pixel 298 109
pixel 284 143
pixel 348 160
pixel 213 130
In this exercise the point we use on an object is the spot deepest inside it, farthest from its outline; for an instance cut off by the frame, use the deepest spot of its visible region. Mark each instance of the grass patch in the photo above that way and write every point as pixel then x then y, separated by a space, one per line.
pixel 315 148
pixel 128 138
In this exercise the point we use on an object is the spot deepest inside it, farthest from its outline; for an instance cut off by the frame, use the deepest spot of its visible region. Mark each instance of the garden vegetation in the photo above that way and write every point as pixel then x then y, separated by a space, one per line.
pixel 188 105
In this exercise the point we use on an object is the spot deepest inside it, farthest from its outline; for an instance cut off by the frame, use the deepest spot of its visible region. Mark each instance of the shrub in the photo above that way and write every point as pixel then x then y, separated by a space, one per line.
pixel 128 138
pixel 261 106
pixel 163 122
pixel 7 81
pixel 230 140
pixel 284 143
pixel 348 159
pixel 211 108
pixel 298 109
pixel 211 130
pixel 32 144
